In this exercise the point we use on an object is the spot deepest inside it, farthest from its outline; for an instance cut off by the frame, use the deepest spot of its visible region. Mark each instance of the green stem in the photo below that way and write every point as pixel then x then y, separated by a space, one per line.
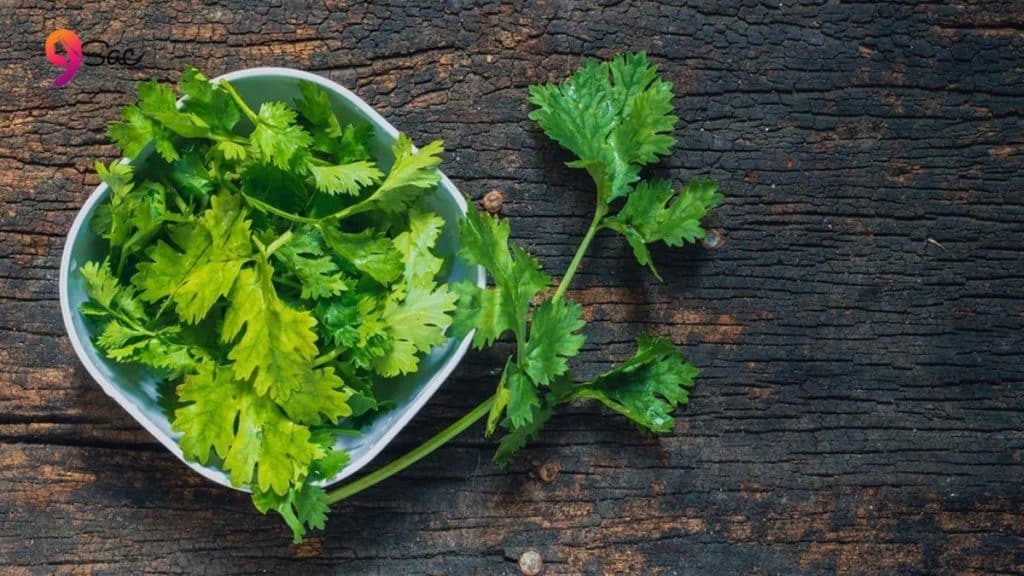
pixel 410 458
pixel 280 241
pixel 238 100
pixel 268 208
pixel 325 358
pixel 595 224
pixel 230 138
pixel 346 212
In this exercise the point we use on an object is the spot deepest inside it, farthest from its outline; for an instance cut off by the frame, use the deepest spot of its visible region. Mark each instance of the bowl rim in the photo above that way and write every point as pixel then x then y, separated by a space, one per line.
pixel 418 400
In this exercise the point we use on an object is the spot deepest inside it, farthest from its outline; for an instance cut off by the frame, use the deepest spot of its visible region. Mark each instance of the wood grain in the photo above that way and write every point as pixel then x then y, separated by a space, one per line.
pixel 859 331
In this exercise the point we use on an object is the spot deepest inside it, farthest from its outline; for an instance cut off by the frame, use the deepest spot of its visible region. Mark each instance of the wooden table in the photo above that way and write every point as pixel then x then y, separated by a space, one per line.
pixel 859 332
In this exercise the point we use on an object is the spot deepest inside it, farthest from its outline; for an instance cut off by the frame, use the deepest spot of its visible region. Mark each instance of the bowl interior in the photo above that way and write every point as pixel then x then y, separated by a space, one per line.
pixel 135 388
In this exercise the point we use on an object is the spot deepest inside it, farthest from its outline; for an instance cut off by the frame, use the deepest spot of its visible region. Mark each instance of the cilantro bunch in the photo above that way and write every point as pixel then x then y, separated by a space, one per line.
pixel 615 117
pixel 273 271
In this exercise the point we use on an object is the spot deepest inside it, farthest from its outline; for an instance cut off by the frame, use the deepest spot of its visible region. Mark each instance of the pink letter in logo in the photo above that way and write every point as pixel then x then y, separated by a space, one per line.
pixel 71 62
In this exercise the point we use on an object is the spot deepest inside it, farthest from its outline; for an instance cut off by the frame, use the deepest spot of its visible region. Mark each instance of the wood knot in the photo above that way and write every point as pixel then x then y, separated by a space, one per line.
pixel 493 200
pixel 530 563
pixel 714 239
pixel 548 472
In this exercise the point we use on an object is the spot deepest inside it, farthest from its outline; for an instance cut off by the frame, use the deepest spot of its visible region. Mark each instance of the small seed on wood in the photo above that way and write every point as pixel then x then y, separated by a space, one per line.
pixel 493 200
pixel 548 472
pixel 530 563
pixel 714 239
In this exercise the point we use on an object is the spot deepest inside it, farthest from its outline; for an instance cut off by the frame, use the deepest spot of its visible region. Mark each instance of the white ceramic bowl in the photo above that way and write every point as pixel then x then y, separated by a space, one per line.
pixel 135 388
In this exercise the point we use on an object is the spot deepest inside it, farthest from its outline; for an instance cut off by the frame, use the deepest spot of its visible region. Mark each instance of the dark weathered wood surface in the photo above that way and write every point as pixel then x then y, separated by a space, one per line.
pixel 860 331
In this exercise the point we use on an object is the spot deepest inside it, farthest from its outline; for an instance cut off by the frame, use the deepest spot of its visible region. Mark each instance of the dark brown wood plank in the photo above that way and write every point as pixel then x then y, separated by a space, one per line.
pixel 859 332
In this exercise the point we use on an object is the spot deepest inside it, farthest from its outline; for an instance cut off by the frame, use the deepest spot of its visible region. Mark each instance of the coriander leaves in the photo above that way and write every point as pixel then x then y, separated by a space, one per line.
pixel 616 117
pixel 274 269
pixel 238 270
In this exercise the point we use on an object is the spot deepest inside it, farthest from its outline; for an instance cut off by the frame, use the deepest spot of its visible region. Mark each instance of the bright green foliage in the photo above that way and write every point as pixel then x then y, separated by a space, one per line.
pixel 370 252
pixel 156 118
pixel 278 344
pixel 345 178
pixel 301 508
pixel 617 117
pixel 238 272
pixel 202 261
pixel 215 107
pixel 125 336
pixel 133 216
pixel 277 139
pixel 413 175
pixel 322 398
pixel 531 427
pixel 553 339
pixel 415 319
pixel 275 272
pixel 517 278
pixel 654 212
pixel 416 245
pixel 343 143
pixel 305 507
pixel 647 387
pixel 614 116
pixel 318 274
pixel 255 439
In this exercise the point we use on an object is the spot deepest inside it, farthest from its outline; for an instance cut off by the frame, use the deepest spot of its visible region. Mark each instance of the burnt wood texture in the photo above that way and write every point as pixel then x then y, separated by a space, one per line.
pixel 859 327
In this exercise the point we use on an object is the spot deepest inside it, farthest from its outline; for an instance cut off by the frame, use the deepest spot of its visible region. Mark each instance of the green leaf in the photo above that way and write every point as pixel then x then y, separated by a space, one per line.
pixel 135 130
pixel 317 274
pixel 203 262
pixel 256 441
pixel 280 188
pixel 480 309
pixel 614 116
pixel 345 178
pixel 654 212
pixel 553 339
pixel 209 102
pixel 278 344
pixel 353 322
pixel 100 284
pixel 647 387
pixel 277 139
pixel 315 106
pixel 353 144
pixel 517 277
pixel 413 170
pixel 523 397
pixel 415 322
pixel 322 398
pixel 191 176
pixel 117 224
pixel 412 176
pixel 368 251
pixel 301 508
pixel 232 151
pixel 157 101
pixel 343 143
pixel 125 337
pixel 417 248
pixel 515 439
